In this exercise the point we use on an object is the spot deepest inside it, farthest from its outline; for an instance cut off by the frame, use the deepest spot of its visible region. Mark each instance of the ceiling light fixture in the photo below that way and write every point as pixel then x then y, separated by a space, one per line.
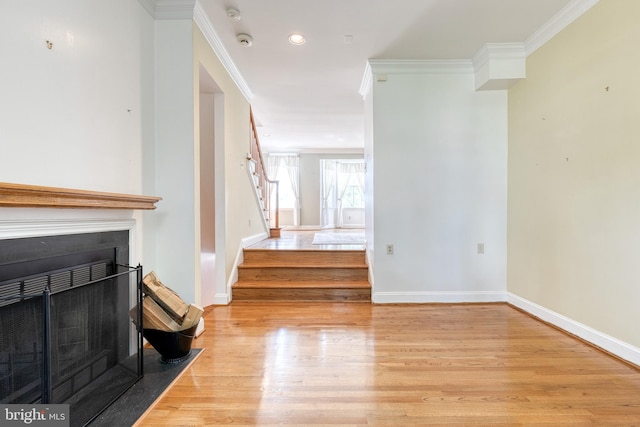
pixel 297 39
pixel 244 39
pixel 234 14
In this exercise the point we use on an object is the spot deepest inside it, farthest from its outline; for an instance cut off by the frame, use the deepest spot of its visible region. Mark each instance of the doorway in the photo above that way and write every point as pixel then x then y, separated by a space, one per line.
pixel 342 193
pixel 211 180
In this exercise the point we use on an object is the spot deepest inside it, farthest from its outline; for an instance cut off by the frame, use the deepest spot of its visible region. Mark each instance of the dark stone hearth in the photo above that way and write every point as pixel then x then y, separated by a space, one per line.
pixel 135 401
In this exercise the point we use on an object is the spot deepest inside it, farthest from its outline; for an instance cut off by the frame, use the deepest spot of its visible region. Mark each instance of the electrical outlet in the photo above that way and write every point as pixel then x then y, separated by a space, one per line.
pixel 481 248
pixel 389 249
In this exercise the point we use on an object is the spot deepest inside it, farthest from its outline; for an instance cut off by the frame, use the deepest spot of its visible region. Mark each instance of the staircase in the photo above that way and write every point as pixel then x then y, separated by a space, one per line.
pixel 262 185
pixel 302 275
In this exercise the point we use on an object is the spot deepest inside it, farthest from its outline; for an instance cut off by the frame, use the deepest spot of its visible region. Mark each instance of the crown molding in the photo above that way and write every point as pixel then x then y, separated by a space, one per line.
pixel 149 6
pixel 498 51
pixel 497 66
pixel 169 9
pixel 557 23
pixel 412 66
pixel 202 21
pixel 421 66
pixel 192 9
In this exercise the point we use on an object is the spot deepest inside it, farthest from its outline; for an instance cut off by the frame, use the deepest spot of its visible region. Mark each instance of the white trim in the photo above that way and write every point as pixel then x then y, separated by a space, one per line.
pixel 202 21
pixel 606 342
pixel 19 229
pixel 221 299
pixel 412 66
pixel 497 66
pixel 498 51
pixel 233 278
pixel 149 6
pixel 192 9
pixel 302 227
pixel 438 297
pixel 173 9
pixel 365 85
pixel 421 66
pixel 15 229
pixel 557 23
pixel 367 259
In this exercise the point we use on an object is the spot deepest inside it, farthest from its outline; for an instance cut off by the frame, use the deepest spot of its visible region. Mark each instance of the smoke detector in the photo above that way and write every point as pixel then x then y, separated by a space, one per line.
pixel 234 14
pixel 244 39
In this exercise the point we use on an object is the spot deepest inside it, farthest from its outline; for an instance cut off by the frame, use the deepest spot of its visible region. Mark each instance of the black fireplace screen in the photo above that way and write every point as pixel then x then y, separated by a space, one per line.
pixel 65 334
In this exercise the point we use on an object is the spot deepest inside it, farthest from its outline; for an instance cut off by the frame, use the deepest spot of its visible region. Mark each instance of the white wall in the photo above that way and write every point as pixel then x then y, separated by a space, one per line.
pixel 175 219
pixel 74 115
pixel 113 106
pixel 439 188
pixel 80 114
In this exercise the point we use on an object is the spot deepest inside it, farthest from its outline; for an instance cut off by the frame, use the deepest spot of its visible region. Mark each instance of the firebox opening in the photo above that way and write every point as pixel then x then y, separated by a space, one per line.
pixel 89 331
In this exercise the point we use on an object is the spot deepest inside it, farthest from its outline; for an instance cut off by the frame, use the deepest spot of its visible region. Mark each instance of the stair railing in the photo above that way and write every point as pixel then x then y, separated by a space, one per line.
pixel 265 186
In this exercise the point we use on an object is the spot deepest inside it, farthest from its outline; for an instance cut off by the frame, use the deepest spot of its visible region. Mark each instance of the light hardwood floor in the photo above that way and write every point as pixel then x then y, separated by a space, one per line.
pixel 353 364
pixel 303 239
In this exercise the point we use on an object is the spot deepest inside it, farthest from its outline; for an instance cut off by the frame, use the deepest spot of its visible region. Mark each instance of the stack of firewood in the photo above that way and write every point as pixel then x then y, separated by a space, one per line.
pixel 163 309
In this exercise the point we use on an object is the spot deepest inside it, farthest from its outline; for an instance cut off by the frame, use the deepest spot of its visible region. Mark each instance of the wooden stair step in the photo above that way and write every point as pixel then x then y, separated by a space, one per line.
pixel 282 264
pixel 303 257
pixel 285 274
pixel 315 294
pixel 360 284
pixel 302 273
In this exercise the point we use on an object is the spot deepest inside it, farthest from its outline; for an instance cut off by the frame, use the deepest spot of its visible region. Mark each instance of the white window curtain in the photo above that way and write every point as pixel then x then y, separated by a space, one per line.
pixel 292 164
pixel 349 172
pixel 286 169
pixel 328 185
pixel 273 165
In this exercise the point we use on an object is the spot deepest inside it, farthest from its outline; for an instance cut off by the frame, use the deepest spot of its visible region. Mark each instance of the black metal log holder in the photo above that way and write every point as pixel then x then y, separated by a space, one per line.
pixel 47 383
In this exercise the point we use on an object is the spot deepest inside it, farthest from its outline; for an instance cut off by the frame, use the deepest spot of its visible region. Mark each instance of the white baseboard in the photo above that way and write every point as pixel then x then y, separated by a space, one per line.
pixel 438 297
pixel 200 328
pixel 301 227
pixel 608 343
pixel 367 255
pixel 221 299
pixel 233 278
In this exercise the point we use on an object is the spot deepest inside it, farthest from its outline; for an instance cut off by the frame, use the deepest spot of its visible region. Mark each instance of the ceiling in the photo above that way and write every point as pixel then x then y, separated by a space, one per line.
pixel 305 98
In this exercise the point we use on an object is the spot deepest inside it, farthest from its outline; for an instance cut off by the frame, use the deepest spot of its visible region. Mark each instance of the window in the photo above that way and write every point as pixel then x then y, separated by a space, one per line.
pixel 342 187
pixel 353 197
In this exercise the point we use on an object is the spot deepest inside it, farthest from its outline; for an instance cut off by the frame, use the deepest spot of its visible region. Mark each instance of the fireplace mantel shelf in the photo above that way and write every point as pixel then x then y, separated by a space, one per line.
pixel 32 196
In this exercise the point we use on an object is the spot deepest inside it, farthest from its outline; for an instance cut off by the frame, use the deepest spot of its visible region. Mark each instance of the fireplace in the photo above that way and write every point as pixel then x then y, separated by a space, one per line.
pixel 65 331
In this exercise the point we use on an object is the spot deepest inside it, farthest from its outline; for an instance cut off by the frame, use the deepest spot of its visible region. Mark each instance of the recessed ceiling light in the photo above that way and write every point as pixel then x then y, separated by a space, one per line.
pixel 297 39
pixel 234 14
